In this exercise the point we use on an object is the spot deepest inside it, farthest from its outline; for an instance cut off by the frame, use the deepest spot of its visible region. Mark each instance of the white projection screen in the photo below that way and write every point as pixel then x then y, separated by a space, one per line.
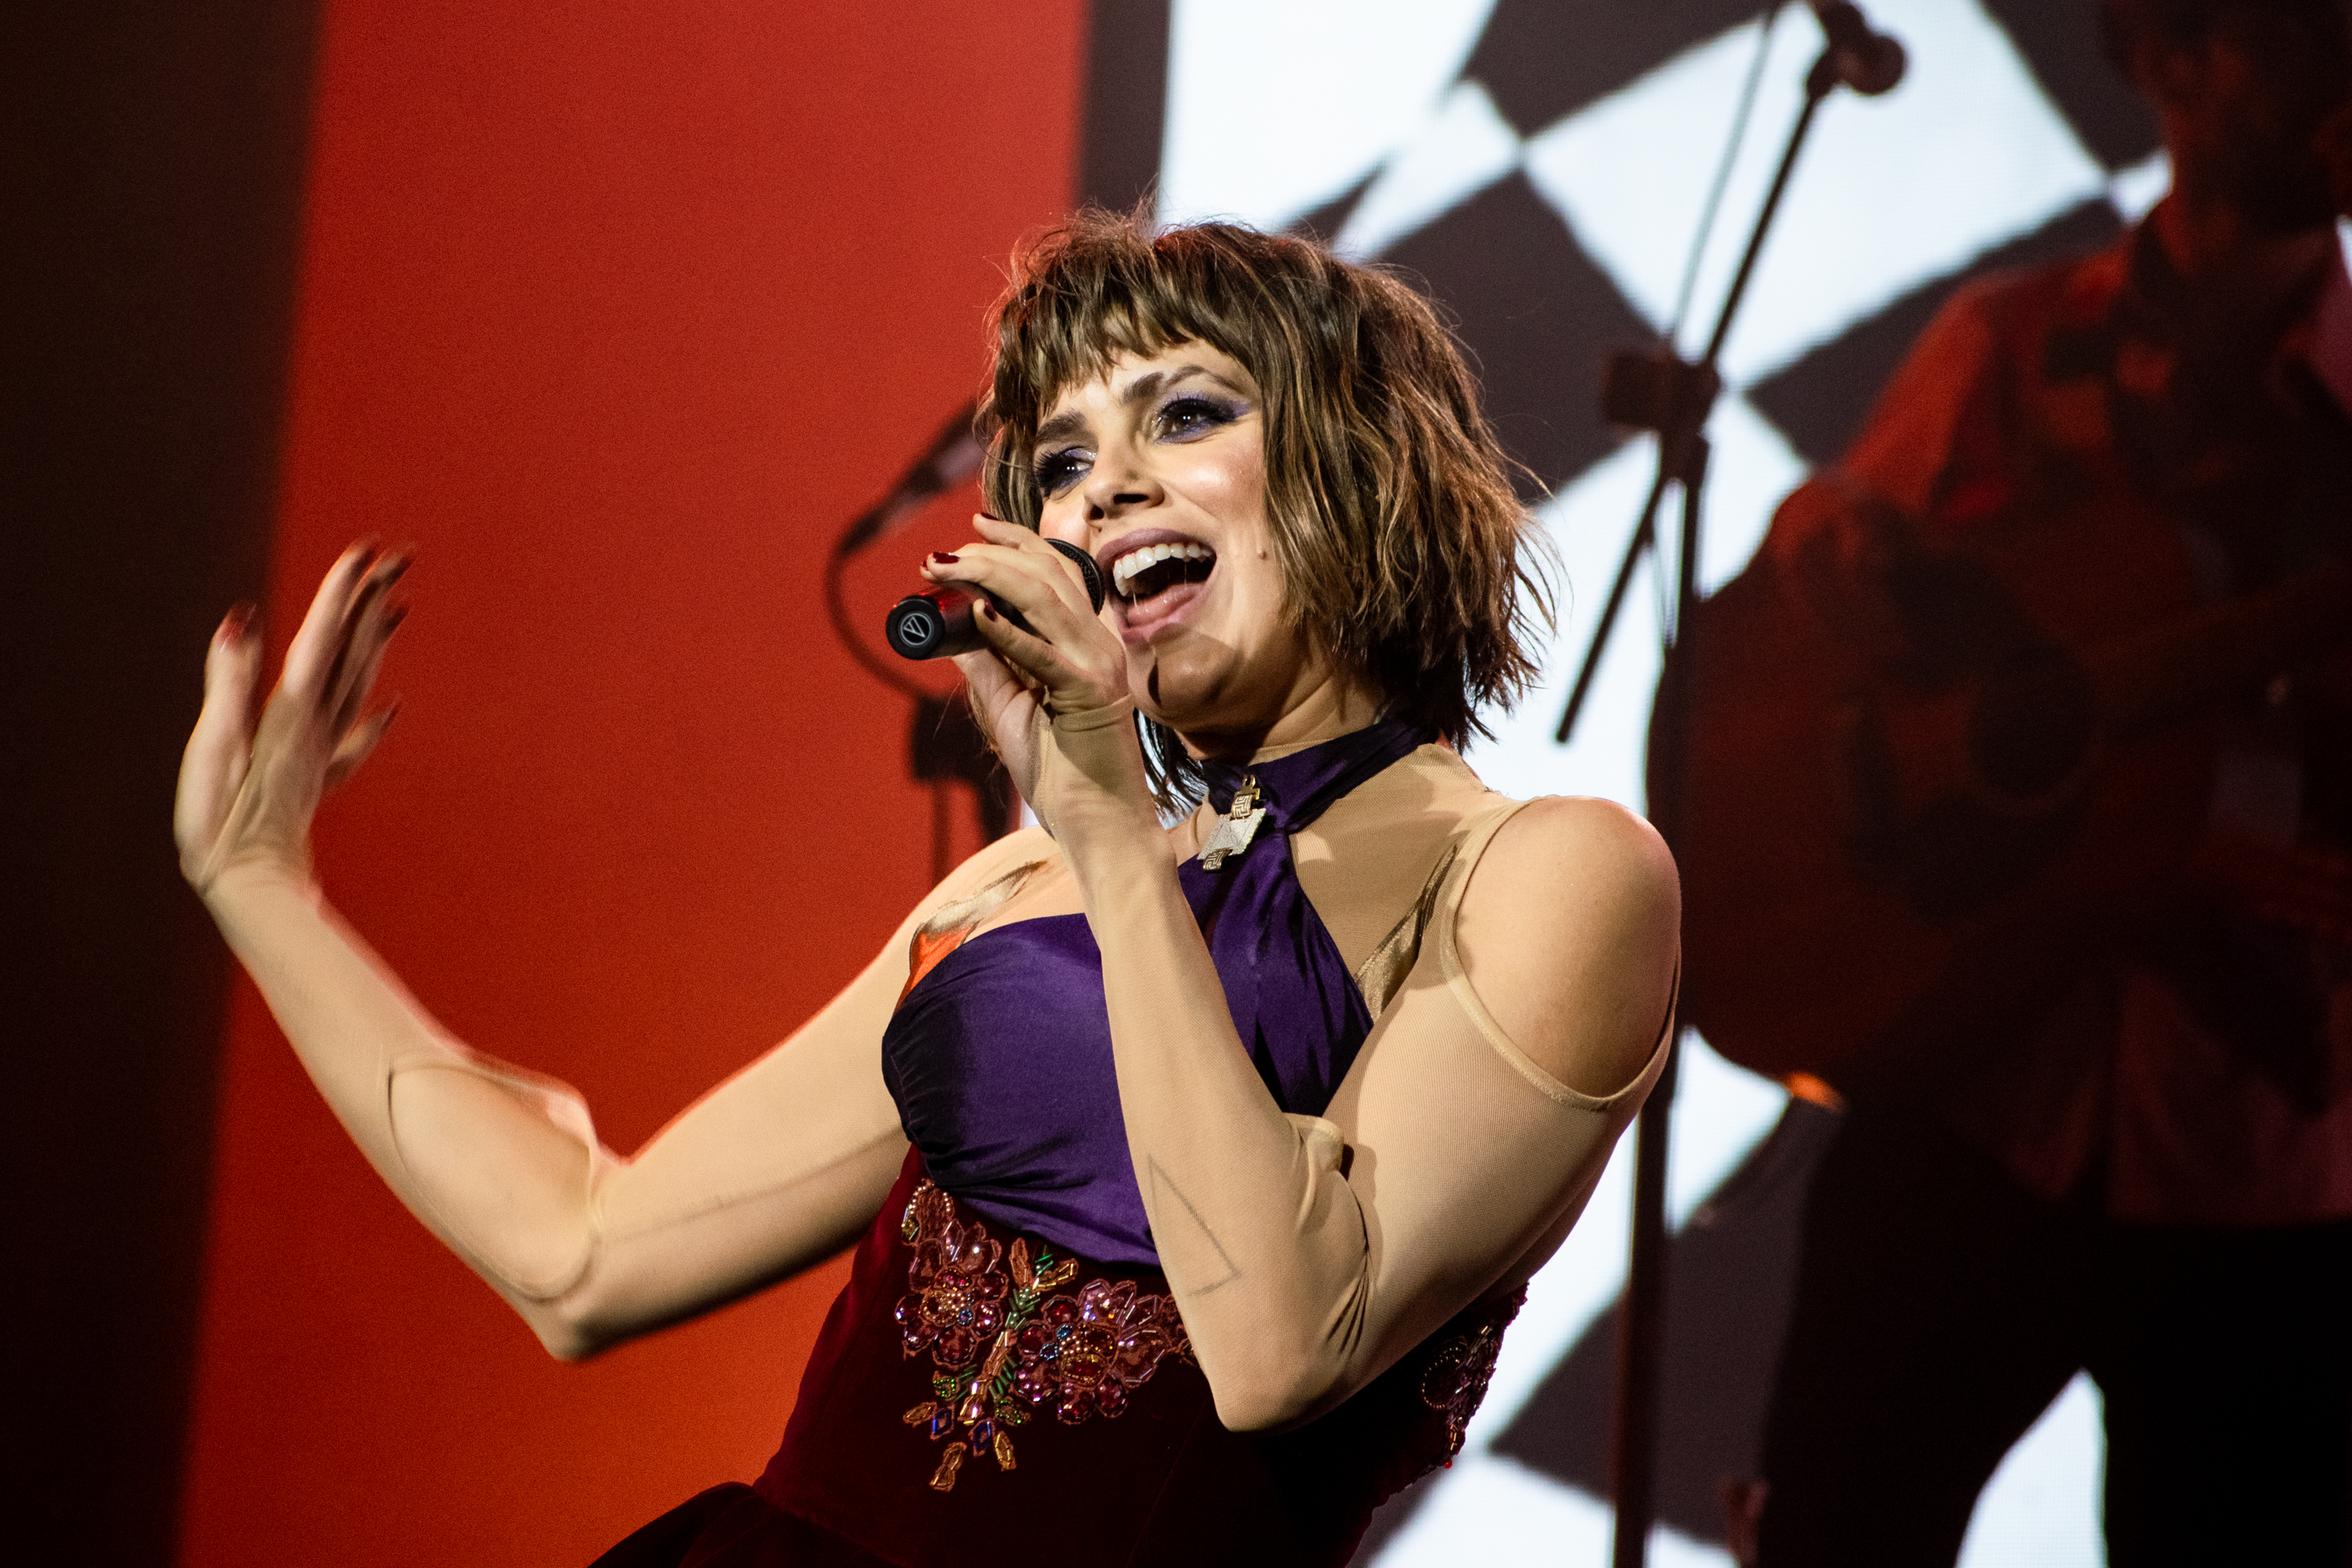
pixel 1543 164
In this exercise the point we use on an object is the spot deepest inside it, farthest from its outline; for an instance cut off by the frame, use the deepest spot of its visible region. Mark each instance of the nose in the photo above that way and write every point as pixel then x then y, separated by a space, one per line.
pixel 1120 484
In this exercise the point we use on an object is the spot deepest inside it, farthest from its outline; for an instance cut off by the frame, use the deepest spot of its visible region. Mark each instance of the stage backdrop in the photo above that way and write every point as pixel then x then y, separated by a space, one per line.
pixel 617 311
pixel 1543 165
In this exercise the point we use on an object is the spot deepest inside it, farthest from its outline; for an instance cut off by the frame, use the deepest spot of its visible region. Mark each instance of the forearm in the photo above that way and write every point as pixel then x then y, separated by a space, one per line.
pixel 1261 1238
pixel 497 1165
pixel 772 1171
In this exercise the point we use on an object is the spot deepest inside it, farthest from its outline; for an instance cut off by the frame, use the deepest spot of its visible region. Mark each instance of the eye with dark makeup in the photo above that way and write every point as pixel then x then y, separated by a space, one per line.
pixel 1183 417
pixel 1057 471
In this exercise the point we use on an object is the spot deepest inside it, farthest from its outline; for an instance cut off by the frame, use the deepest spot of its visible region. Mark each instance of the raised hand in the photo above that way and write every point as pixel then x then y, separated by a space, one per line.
pixel 1054 699
pixel 247 790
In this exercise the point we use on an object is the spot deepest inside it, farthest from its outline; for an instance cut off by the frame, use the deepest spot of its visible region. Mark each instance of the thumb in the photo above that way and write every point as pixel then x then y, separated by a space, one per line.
pixel 220 748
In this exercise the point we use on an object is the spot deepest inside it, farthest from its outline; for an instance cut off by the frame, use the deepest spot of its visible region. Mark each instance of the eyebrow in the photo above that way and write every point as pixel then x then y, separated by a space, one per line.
pixel 1142 389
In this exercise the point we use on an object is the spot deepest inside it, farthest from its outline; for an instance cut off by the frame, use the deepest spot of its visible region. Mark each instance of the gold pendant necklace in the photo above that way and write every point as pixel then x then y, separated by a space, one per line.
pixel 1236 828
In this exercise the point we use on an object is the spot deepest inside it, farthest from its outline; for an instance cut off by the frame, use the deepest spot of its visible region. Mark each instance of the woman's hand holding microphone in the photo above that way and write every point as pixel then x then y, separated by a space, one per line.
pixel 1054 698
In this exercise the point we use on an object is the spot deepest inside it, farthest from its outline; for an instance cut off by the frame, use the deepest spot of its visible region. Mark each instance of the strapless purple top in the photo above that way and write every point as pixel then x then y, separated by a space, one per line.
pixel 999 1058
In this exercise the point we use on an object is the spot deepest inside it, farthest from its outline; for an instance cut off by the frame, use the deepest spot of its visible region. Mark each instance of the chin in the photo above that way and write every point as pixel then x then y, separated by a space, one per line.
pixel 1183 706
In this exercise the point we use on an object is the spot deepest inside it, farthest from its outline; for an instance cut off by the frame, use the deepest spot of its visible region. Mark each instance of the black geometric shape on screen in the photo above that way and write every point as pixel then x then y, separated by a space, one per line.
pixel 1324 222
pixel 1820 401
pixel 1126 101
pixel 2060 39
pixel 1541 60
pixel 1537 315
pixel 1730 1278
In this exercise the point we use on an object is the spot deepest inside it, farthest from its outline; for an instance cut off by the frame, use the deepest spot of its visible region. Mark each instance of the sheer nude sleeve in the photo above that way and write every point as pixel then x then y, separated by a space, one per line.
pixel 1308 1254
pixel 1469 1159
pixel 773 1170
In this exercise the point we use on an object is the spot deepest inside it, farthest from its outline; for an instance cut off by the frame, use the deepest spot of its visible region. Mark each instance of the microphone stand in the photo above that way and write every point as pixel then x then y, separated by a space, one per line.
pixel 944 744
pixel 1663 393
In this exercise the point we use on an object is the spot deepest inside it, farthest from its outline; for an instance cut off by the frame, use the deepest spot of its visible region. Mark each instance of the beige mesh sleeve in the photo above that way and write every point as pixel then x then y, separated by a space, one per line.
pixel 773 1170
pixel 1309 1254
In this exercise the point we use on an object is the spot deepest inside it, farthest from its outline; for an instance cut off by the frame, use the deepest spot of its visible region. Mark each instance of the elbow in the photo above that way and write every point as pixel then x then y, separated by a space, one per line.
pixel 1262 1410
pixel 571 1327
pixel 566 1340
pixel 568 1348
pixel 1275 1392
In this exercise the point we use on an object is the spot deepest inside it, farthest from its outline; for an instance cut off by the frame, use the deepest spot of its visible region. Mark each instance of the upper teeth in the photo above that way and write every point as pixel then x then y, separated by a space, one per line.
pixel 1137 561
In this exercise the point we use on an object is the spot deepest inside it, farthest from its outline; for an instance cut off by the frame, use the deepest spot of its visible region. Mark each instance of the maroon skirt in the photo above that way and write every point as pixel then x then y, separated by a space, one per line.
pixel 978 1401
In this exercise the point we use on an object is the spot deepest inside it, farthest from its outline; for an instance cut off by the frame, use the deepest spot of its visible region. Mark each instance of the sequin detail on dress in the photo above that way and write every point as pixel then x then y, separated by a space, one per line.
pixel 1455 1383
pixel 1005 1339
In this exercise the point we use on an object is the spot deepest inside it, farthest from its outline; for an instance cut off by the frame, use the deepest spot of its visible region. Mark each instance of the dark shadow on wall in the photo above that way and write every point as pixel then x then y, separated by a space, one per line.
pixel 152 188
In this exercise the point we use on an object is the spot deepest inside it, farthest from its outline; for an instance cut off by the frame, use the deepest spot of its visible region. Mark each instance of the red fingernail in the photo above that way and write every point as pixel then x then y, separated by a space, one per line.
pixel 239 621
pixel 944 559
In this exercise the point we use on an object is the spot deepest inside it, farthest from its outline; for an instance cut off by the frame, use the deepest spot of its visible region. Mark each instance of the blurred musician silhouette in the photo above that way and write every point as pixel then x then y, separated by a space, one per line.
pixel 2021 797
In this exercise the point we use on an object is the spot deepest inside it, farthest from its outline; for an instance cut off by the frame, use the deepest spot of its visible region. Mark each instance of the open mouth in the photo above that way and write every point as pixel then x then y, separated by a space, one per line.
pixel 1142 575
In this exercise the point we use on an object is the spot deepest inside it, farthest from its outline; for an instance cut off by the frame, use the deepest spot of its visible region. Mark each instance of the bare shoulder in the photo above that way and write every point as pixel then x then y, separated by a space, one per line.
pixel 1578 849
pixel 1027 847
pixel 1024 847
pixel 1569 930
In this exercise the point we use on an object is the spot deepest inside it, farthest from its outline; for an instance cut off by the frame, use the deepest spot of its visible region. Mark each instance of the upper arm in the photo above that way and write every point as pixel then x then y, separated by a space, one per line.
pixel 1942 410
pixel 1569 933
pixel 1488 1096
pixel 775 1169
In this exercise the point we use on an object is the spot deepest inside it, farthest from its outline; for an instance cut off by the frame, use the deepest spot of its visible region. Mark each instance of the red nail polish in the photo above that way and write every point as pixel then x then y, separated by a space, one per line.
pixel 944 559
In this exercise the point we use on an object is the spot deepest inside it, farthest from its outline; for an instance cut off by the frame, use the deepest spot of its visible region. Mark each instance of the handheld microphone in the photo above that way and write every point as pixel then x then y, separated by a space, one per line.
pixel 937 623
pixel 1866 60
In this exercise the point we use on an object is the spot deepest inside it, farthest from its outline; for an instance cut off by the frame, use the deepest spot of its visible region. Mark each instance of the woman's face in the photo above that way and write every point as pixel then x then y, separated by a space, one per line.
pixel 1159 470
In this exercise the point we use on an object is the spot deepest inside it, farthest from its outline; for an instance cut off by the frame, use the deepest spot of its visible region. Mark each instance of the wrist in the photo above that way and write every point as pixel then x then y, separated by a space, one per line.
pixel 1109 837
pixel 1091 790
pixel 251 879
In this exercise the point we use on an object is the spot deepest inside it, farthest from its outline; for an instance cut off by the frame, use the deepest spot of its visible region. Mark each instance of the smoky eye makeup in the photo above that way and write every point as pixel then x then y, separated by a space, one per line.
pixel 1056 471
pixel 1191 414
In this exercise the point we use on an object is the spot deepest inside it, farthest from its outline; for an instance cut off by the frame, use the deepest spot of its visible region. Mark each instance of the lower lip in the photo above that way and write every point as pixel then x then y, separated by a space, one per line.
pixel 1139 624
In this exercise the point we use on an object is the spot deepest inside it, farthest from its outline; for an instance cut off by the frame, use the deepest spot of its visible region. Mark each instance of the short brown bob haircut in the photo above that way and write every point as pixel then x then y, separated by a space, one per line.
pixel 1405 553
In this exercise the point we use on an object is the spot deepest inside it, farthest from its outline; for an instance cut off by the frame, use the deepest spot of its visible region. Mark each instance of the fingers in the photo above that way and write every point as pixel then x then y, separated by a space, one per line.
pixel 311 658
pixel 1034 660
pixel 357 743
pixel 1065 643
pixel 332 666
pixel 1024 571
pixel 374 618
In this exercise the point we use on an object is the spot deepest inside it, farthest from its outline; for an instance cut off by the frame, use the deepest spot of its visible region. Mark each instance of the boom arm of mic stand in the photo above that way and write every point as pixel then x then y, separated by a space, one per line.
pixel 1674 456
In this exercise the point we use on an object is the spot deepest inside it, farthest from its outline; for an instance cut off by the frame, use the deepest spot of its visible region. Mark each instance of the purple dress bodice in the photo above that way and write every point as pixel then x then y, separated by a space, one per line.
pixel 1000 1056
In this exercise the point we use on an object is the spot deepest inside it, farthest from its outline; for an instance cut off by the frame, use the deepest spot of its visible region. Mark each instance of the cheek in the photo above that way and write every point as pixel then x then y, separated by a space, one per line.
pixel 1258 594
pixel 1233 496
pixel 1061 520
pixel 1227 477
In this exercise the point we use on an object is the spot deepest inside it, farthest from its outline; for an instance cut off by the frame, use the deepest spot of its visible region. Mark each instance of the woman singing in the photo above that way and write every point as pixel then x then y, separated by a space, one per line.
pixel 1194 1170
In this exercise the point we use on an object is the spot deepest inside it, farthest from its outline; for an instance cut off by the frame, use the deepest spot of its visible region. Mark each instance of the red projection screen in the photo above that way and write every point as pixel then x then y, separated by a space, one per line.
pixel 618 312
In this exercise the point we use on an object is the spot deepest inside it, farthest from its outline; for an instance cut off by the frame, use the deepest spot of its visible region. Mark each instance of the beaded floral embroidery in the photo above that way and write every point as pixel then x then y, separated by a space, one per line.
pixel 1079 1353
pixel 1456 1380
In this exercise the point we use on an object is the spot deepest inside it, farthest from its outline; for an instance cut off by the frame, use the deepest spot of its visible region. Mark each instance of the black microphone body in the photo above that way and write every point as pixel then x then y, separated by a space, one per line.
pixel 937 623
pixel 1868 61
